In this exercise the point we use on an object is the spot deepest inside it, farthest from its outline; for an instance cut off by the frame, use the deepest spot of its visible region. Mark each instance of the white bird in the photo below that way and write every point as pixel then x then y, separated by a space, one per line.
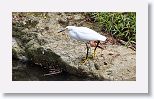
pixel 84 34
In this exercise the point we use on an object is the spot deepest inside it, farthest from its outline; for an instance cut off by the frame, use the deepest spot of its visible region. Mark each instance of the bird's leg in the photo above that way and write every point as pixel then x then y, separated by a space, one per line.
pixel 94 54
pixel 84 60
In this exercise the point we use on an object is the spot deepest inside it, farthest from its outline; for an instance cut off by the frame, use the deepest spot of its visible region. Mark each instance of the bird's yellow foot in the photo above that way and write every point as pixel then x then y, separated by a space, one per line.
pixel 84 60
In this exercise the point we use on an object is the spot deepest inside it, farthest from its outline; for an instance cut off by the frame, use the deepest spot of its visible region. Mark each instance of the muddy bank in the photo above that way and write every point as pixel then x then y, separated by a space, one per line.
pixel 35 38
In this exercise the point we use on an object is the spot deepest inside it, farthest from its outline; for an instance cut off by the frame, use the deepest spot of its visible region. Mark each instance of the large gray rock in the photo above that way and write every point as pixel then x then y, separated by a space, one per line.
pixel 17 51
pixel 44 46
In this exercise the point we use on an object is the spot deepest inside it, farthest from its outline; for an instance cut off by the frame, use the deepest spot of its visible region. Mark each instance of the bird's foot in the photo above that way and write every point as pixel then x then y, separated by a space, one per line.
pixel 84 60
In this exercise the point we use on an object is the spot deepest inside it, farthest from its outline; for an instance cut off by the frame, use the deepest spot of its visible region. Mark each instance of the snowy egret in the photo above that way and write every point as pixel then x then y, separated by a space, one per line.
pixel 84 34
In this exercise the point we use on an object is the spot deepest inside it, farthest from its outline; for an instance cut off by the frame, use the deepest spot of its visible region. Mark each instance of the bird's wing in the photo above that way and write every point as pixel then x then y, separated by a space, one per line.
pixel 88 34
pixel 85 30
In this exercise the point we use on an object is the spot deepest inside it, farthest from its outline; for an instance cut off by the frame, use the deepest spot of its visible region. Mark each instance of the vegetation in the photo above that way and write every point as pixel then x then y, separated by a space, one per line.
pixel 120 25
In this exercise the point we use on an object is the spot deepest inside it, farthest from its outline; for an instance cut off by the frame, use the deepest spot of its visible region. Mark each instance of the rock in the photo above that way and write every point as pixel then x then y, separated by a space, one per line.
pixel 63 21
pixel 78 17
pixel 50 49
pixel 17 51
pixel 121 65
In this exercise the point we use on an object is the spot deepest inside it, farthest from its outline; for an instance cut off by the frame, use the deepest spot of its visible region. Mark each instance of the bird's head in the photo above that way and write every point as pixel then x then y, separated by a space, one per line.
pixel 68 28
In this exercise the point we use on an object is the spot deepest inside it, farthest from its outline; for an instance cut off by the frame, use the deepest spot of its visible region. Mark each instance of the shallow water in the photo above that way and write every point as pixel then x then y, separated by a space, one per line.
pixel 31 72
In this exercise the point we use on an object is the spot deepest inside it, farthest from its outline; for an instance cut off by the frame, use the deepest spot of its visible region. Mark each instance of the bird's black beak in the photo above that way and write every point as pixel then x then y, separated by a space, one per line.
pixel 61 30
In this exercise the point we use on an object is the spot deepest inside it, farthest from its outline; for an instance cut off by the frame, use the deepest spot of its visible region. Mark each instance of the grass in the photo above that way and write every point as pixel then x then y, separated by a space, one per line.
pixel 121 25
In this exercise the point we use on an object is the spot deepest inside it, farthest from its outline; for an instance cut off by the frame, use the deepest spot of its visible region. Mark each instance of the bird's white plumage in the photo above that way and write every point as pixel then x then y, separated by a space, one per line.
pixel 84 34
